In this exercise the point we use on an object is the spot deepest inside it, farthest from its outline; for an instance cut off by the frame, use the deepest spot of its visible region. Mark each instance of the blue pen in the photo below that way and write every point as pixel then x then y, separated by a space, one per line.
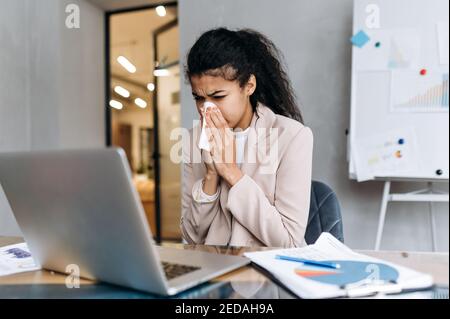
pixel 326 264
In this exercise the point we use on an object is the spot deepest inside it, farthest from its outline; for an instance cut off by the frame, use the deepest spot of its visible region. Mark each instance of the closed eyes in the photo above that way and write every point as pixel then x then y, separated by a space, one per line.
pixel 200 98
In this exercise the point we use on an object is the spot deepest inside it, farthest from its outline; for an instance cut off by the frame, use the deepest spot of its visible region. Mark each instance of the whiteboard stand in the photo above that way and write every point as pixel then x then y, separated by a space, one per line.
pixel 422 195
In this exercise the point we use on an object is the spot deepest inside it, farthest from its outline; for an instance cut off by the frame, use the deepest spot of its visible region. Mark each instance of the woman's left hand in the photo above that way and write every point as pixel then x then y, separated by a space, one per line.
pixel 223 146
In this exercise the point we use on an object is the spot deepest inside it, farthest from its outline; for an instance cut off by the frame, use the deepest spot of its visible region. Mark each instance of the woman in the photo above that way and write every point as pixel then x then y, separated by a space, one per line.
pixel 249 198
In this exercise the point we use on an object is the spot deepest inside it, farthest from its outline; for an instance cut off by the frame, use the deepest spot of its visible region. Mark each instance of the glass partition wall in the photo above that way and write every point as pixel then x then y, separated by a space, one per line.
pixel 143 85
pixel 168 119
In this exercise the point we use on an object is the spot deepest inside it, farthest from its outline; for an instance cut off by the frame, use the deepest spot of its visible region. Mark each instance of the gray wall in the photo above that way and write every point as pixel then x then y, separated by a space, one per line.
pixel 314 37
pixel 51 81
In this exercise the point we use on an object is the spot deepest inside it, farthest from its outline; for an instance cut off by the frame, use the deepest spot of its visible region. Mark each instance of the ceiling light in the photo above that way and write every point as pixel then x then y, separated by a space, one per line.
pixel 121 91
pixel 126 64
pixel 141 103
pixel 161 72
pixel 161 11
pixel 116 104
pixel 151 87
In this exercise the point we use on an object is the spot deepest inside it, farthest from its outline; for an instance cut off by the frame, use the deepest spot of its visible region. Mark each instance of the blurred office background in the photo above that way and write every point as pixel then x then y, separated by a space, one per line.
pixel 68 88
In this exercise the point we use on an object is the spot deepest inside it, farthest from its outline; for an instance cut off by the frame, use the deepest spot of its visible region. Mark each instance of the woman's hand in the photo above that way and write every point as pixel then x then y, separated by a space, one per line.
pixel 207 159
pixel 211 180
pixel 223 147
pixel 206 156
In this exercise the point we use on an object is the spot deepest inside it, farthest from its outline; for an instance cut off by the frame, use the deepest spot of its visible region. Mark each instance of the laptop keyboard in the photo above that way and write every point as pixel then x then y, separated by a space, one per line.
pixel 175 270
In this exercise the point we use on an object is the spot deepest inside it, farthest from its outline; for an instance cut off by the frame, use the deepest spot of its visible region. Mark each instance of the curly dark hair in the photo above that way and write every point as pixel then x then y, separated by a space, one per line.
pixel 235 56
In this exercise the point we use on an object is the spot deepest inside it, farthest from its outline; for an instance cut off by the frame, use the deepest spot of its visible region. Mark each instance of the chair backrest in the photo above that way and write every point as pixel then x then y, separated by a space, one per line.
pixel 324 214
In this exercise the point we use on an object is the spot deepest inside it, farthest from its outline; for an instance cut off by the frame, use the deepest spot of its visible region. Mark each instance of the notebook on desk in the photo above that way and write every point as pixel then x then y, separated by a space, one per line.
pixel 343 273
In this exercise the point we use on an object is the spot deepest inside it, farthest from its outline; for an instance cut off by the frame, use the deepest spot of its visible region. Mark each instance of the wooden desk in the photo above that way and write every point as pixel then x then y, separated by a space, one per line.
pixel 246 282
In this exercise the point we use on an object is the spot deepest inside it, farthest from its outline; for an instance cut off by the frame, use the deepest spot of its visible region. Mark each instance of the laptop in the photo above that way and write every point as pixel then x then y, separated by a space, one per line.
pixel 79 207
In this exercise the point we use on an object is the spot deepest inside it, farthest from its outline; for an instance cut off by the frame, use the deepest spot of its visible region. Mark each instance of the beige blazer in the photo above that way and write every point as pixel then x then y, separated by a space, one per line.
pixel 269 206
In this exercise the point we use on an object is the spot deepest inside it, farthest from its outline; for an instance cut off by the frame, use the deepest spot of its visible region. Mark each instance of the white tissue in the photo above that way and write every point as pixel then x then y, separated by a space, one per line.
pixel 203 143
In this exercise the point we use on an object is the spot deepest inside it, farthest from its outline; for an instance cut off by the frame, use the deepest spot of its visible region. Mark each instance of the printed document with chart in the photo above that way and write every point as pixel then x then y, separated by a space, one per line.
pixel 357 273
pixel 16 259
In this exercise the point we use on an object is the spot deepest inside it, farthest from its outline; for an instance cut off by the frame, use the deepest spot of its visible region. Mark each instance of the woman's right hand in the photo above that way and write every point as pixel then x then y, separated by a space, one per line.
pixel 211 179
pixel 207 159
pixel 206 156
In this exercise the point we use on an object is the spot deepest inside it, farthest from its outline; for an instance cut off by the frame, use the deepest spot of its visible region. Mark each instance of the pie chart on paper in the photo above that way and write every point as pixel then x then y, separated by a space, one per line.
pixel 349 272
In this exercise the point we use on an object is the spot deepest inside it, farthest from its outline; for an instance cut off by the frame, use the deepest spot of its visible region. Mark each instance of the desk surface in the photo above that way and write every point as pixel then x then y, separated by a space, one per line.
pixel 246 282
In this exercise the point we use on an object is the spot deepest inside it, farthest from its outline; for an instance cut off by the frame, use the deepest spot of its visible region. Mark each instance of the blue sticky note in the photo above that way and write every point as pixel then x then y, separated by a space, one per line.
pixel 360 39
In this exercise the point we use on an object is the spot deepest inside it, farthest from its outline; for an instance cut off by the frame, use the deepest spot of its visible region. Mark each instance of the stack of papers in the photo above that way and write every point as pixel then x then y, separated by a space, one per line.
pixel 358 275
pixel 16 259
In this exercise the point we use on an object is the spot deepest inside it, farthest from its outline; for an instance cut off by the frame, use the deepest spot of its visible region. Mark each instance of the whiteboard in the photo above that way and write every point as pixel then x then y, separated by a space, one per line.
pixel 399 120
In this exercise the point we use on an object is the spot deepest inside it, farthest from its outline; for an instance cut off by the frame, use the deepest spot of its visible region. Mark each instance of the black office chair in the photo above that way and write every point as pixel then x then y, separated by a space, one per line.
pixel 324 214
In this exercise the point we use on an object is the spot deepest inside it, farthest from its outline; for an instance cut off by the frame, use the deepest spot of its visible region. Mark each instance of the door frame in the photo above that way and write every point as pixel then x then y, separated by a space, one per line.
pixel 157 154
pixel 108 140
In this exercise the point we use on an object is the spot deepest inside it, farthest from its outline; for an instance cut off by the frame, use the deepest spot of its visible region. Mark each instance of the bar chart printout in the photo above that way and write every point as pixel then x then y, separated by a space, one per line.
pixel 419 93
